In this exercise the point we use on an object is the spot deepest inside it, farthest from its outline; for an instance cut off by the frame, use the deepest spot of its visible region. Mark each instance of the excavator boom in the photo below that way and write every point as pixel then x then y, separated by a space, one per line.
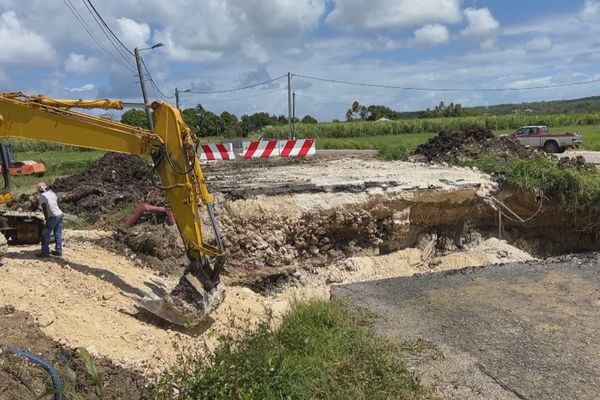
pixel 173 151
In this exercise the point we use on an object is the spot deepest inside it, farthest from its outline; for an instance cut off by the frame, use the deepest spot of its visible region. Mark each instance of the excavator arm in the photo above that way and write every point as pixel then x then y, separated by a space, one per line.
pixel 172 148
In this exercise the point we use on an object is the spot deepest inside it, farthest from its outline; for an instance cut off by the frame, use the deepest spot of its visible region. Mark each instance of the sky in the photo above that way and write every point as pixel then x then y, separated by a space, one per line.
pixel 213 45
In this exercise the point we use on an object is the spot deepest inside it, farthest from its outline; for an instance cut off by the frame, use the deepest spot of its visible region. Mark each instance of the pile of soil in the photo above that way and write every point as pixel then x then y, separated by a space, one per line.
pixel 470 144
pixel 19 379
pixel 112 181
pixel 156 245
pixel 578 162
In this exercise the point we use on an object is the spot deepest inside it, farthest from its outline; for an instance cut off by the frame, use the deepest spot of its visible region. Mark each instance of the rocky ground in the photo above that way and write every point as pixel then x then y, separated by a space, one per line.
pixel 292 229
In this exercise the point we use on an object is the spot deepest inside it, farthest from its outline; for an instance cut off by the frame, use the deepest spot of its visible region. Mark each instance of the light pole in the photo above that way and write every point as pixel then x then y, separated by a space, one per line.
pixel 177 91
pixel 138 61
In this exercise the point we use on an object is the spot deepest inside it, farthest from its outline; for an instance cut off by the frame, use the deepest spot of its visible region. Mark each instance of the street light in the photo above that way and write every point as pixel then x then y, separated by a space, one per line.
pixel 138 61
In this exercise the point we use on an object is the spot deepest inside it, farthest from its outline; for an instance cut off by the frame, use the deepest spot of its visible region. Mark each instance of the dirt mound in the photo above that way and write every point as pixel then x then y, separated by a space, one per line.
pixel 157 246
pixel 111 182
pixel 457 146
pixel 578 162
pixel 20 379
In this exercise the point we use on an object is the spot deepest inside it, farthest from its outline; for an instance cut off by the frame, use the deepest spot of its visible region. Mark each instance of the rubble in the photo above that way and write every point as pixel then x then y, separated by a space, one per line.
pixel 108 184
pixel 460 146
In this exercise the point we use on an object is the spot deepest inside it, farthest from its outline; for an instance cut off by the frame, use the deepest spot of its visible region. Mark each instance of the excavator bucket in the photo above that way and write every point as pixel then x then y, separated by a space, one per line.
pixel 198 293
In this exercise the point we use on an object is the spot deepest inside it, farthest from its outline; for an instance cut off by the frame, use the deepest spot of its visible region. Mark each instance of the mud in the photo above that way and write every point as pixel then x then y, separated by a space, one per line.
pixel 110 183
pixel 21 380
pixel 468 145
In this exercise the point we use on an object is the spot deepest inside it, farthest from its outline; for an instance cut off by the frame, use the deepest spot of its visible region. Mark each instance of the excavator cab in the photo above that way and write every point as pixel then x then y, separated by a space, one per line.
pixel 16 227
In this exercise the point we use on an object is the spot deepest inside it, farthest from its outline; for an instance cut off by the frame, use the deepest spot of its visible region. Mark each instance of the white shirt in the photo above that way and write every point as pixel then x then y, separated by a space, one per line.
pixel 49 198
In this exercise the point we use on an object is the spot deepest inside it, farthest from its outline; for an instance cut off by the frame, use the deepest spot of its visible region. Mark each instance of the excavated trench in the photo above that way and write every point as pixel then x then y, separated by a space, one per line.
pixel 280 217
pixel 266 247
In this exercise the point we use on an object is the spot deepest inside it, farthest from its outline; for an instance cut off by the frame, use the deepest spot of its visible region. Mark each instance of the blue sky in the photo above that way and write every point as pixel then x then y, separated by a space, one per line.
pixel 222 44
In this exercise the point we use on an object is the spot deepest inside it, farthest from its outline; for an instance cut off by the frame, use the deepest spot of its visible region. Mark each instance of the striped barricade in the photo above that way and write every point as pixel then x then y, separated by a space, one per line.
pixel 297 148
pixel 260 149
pixel 216 151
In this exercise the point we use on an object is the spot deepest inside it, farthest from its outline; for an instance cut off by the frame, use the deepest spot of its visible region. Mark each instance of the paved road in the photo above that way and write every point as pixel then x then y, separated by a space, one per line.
pixel 534 328
pixel 590 156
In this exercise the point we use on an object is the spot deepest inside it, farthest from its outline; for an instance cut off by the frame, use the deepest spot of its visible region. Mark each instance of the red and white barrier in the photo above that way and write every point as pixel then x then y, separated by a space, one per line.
pixel 279 148
pixel 216 151
pixel 297 148
pixel 261 149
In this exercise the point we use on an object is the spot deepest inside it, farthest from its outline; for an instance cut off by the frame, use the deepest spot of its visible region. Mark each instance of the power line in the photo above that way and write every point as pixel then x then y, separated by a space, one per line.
pixel 428 89
pixel 236 99
pixel 107 27
pixel 237 89
pixel 154 85
pixel 109 34
pixel 81 20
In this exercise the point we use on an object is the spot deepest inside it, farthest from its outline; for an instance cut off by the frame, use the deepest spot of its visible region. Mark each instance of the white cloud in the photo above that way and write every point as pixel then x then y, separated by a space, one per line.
pixel 538 45
pixel 591 11
pixel 20 45
pixel 80 64
pixel 255 52
pixel 433 34
pixel 398 14
pixel 177 52
pixel 133 34
pixel 482 25
pixel 85 88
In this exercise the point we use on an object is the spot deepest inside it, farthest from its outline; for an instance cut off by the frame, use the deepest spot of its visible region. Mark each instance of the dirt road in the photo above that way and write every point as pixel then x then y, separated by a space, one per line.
pixel 527 331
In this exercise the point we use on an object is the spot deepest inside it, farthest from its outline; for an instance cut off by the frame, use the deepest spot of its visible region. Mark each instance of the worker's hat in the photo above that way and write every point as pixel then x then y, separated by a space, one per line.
pixel 42 187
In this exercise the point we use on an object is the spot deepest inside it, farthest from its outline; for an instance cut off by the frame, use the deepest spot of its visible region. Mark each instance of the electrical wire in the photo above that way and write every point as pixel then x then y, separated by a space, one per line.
pixel 314 78
pixel 107 27
pixel 154 85
pixel 113 40
pixel 87 28
pixel 236 89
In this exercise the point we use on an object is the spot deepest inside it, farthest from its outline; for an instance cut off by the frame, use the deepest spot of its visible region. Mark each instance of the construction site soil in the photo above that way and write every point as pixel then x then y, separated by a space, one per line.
pixel 291 228
pixel 21 380
pixel 470 144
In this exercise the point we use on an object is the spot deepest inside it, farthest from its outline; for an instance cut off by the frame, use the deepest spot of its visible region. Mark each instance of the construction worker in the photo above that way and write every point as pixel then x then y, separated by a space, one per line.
pixel 54 221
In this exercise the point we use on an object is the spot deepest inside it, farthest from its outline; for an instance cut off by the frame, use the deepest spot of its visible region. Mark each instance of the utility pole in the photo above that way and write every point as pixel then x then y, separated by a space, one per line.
pixel 294 113
pixel 177 99
pixel 289 105
pixel 138 61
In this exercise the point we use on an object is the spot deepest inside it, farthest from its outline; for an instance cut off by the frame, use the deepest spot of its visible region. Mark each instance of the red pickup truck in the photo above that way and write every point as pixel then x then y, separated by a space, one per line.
pixel 540 136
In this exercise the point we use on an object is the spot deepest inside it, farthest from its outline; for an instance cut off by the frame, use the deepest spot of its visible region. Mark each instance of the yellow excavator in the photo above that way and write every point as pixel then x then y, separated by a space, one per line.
pixel 172 147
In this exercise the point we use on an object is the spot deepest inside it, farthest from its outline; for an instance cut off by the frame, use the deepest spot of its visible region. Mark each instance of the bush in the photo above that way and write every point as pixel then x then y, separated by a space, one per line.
pixel 575 188
pixel 319 352
pixel 403 126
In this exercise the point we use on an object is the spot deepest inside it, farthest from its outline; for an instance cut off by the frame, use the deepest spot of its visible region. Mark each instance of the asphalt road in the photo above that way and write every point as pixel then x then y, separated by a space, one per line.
pixel 592 157
pixel 534 328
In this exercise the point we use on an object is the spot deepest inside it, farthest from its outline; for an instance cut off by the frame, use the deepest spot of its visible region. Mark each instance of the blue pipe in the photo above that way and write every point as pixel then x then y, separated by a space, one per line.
pixel 44 364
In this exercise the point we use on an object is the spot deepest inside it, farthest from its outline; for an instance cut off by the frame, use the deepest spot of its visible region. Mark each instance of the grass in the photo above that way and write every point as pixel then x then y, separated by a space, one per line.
pixel 404 126
pixel 322 350
pixel 573 188
pixel 58 163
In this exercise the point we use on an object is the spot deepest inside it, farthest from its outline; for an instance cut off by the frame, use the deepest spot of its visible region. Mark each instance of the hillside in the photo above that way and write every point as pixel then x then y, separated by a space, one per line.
pixel 582 105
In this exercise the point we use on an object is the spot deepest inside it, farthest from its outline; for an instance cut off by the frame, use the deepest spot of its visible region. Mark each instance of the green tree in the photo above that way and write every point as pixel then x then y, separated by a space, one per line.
pixel 309 120
pixel 210 124
pixel 377 112
pixel 357 111
pixel 257 121
pixel 135 117
pixel 190 117
pixel 451 110
pixel 231 125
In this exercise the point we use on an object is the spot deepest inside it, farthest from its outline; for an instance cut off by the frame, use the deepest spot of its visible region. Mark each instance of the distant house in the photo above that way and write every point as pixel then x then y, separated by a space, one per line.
pixel 383 119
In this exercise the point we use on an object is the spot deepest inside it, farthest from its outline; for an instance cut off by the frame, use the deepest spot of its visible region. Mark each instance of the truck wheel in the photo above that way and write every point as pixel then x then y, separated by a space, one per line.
pixel 551 147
